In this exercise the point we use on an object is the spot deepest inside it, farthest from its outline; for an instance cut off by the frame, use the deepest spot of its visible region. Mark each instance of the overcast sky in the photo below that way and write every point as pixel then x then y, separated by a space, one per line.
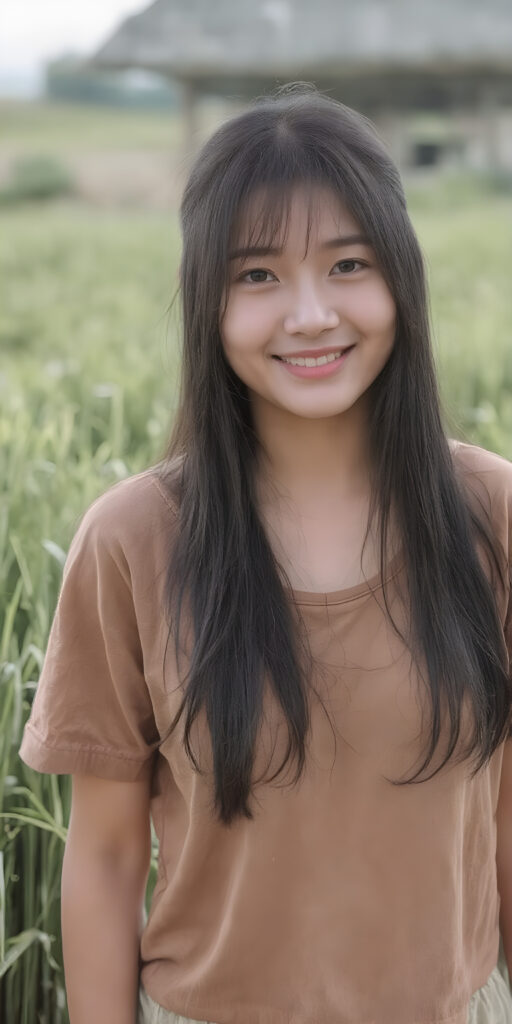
pixel 31 31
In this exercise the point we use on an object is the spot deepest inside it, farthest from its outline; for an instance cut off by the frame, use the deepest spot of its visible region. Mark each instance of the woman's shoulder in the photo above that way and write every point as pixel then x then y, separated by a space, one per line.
pixel 131 514
pixel 472 459
pixel 487 476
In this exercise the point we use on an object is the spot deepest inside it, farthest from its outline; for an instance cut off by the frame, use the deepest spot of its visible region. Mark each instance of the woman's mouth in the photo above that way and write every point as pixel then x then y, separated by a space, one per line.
pixel 309 366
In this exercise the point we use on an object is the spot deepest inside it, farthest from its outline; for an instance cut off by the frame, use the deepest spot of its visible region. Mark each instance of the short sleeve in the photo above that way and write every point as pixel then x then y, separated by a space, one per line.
pixel 92 711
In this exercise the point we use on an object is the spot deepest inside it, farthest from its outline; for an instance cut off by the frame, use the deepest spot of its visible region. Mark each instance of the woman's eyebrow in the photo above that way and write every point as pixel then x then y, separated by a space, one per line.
pixel 330 243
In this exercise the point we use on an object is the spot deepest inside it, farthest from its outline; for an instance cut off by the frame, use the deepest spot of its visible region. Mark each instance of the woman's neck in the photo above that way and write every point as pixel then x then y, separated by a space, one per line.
pixel 308 460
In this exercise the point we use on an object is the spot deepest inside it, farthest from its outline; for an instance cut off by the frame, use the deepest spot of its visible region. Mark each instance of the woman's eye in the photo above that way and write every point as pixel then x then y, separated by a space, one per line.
pixel 348 266
pixel 258 278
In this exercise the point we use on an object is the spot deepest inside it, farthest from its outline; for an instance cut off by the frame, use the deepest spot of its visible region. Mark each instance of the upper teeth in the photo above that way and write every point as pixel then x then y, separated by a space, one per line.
pixel 299 361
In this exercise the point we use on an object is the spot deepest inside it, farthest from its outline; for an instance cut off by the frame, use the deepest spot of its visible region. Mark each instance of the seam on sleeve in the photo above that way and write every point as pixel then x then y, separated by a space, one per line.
pixel 89 748
pixel 170 504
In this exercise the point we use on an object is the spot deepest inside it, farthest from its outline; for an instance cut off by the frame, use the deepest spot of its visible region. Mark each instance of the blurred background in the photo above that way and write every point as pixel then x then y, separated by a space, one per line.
pixel 102 107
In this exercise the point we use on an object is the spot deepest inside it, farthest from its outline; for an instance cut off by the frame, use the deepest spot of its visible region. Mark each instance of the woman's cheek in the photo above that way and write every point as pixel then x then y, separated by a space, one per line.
pixel 379 314
pixel 387 306
pixel 243 327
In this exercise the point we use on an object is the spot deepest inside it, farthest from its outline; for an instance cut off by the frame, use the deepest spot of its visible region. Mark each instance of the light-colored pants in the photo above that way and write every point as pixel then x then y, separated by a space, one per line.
pixel 491 1004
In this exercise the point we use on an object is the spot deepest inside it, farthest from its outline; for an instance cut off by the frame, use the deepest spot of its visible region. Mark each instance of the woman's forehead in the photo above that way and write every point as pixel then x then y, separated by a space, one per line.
pixel 266 217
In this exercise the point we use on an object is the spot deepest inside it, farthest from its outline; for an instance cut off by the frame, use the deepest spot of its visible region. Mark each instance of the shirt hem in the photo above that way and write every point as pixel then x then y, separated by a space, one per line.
pixel 252 1014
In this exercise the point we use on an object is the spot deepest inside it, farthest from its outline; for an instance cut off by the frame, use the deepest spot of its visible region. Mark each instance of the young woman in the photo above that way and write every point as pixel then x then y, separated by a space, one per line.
pixel 288 641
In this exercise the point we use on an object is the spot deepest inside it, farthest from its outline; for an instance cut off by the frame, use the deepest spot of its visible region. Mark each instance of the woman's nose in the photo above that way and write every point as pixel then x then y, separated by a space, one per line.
pixel 310 313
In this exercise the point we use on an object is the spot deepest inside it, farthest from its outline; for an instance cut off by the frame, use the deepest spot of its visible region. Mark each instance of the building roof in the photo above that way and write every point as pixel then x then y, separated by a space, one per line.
pixel 201 38
pixel 370 53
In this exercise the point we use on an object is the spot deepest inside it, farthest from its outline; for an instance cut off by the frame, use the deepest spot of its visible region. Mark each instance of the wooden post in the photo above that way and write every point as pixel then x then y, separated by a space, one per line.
pixel 190 119
pixel 490 127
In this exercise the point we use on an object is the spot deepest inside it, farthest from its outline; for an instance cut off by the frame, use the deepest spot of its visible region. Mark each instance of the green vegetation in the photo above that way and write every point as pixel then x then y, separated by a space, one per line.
pixel 36 178
pixel 468 249
pixel 70 80
pixel 87 391
pixel 66 128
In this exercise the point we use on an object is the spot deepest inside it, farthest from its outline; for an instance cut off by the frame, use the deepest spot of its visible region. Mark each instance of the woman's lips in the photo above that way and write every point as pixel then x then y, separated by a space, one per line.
pixel 315 371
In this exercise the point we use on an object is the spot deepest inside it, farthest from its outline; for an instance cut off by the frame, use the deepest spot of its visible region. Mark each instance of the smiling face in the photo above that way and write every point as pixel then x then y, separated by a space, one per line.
pixel 322 299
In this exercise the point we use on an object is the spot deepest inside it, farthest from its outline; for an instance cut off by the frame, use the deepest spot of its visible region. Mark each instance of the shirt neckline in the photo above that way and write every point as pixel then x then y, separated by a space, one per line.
pixel 314 597
pixel 302 597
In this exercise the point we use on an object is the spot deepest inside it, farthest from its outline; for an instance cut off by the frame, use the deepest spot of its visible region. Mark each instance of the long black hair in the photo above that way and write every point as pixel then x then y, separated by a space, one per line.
pixel 221 567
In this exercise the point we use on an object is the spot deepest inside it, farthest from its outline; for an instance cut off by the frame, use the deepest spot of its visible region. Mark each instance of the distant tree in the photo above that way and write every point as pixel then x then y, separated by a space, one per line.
pixel 70 79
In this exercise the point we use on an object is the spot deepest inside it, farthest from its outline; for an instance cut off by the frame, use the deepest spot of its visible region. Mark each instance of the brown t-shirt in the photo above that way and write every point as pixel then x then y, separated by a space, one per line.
pixel 347 900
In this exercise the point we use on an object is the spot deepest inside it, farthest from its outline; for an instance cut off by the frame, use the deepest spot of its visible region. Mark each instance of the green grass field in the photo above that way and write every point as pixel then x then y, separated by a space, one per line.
pixel 61 128
pixel 88 388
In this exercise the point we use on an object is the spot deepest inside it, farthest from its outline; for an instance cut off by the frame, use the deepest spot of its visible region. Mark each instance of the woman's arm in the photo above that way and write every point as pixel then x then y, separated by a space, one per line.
pixel 104 875
pixel 504 852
